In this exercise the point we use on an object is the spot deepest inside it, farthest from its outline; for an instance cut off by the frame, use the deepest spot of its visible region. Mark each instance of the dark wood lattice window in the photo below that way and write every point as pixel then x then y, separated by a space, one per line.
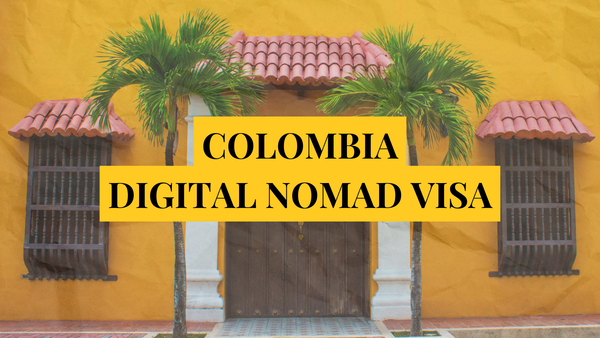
pixel 64 238
pixel 536 235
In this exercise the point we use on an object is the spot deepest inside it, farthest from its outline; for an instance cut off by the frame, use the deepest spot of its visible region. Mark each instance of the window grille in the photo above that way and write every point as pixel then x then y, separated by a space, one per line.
pixel 536 234
pixel 64 238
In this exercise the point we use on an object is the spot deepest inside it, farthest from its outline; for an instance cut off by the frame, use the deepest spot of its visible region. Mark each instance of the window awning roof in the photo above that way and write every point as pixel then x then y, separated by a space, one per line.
pixel 305 60
pixel 66 117
pixel 532 119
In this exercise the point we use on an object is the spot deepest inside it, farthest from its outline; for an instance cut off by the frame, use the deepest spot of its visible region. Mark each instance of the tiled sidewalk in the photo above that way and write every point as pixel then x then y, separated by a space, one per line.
pixel 496 322
pixel 135 329
pixel 70 335
pixel 92 329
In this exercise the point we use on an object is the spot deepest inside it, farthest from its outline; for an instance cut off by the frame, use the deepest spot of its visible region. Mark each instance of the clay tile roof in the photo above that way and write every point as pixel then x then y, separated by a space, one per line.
pixel 532 119
pixel 67 117
pixel 305 60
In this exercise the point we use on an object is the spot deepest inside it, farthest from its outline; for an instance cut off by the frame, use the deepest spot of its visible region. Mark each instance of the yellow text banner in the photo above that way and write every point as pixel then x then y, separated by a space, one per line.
pixel 300 169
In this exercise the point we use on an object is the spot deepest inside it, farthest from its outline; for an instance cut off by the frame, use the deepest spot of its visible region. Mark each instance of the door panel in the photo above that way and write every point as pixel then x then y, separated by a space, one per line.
pixel 296 269
pixel 238 256
pixel 294 287
pixel 354 254
pixel 275 271
pixel 336 284
pixel 257 268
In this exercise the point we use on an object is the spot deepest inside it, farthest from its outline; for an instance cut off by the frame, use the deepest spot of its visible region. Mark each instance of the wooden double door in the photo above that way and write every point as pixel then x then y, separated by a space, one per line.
pixel 296 269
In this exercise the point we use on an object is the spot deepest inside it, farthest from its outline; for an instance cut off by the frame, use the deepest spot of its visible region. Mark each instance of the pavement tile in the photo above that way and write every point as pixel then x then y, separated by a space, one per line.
pixel 126 329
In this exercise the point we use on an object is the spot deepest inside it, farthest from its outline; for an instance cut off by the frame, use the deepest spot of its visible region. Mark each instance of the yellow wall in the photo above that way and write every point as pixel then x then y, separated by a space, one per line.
pixel 535 49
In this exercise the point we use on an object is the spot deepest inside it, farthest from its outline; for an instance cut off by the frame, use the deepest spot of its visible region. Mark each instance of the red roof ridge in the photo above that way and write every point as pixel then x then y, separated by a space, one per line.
pixel 541 119
pixel 307 59
pixel 67 117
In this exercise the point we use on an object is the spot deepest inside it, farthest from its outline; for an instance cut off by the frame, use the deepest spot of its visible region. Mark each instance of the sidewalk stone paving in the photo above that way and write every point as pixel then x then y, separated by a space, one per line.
pixel 135 329
pixel 496 322
pixel 92 329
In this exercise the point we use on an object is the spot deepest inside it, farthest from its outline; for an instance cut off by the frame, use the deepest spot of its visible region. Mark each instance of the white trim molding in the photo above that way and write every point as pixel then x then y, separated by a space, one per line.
pixel 392 300
pixel 204 304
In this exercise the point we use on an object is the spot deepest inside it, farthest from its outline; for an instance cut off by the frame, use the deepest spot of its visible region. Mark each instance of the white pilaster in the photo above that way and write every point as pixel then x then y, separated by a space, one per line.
pixel 392 300
pixel 201 247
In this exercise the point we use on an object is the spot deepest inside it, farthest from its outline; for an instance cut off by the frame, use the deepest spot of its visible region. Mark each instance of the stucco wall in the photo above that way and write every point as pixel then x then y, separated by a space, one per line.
pixel 535 49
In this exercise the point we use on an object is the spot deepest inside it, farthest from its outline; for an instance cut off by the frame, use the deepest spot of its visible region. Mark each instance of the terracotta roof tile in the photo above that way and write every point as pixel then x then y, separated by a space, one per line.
pixel 310 49
pixel 310 60
pixel 346 49
pixel 67 117
pixel 285 59
pixel 323 48
pixel 285 49
pixel 532 119
pixel 305 59
pixel 262 39
pixel 261 58
pixel 297 59
pixel 285 39
pixel 261 47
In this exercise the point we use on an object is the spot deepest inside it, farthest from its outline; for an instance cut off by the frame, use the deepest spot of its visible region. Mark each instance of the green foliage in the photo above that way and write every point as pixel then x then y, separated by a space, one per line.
pixel 413 85
pixel 168 70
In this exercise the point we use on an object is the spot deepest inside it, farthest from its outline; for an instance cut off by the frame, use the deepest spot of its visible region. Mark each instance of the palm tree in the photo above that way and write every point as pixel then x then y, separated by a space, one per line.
pixel 168 71
pixel 421 83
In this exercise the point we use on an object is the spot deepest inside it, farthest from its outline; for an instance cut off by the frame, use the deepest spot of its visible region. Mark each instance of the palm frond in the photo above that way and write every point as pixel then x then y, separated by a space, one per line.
pixel 153 106
pixel 366 88
pixel 412 86
pixel 108 83
pixel 199 26
pixel 169 70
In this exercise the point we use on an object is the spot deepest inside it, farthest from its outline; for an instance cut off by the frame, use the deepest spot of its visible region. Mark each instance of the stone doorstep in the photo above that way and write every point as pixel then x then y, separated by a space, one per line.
pixel 385 332
pixel 303 327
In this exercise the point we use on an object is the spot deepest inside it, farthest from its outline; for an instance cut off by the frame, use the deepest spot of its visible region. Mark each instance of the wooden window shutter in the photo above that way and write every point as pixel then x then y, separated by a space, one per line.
pixel 64 238
pixel 536 234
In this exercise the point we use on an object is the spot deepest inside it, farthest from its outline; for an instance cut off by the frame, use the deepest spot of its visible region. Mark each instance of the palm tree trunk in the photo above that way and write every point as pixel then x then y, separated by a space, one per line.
pixel 415 276
pixel 180 292
pixel 170 148
pixel 179 326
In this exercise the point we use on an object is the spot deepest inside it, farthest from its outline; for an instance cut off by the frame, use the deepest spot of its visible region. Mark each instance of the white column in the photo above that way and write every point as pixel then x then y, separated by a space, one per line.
pixel 392 300
pixel 201 247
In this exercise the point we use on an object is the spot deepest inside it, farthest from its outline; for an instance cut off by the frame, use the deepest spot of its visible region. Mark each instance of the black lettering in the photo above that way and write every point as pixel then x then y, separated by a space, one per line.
pixel 326 190
pixel 417 188
pixel 329 141
pixel 154 197
pixel 249 146
pixel 459 195
pixel 296 195
pixel 388 146
pixel 181 195
pixel 365 193
pixel 206 146
pixel 441 202
pixel 199 194
pixel 261 148
pixel 345 146
pixel 397 195
pixel 278 195
pixel 114 195
pixel 281 146
pixel 367 146
pixel 483 198
pixel 242 195
pixel 142 194
pixel 226 197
